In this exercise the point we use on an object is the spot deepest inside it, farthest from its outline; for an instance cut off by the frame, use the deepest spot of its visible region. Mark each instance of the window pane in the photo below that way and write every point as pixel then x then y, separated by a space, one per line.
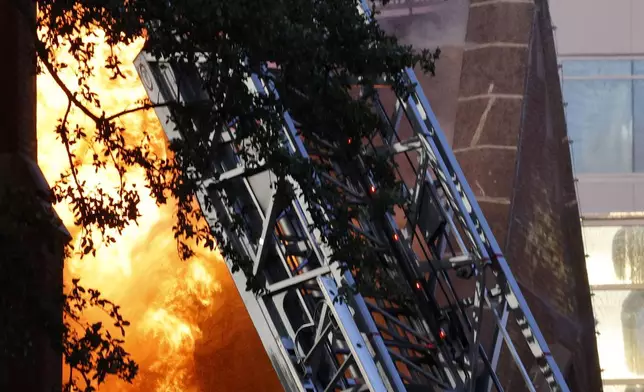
pixel 620 324
pixel 615 254
pixel 596 67
pixel 625 388
pixel 599 117
pixel 638 67
pixel 638 123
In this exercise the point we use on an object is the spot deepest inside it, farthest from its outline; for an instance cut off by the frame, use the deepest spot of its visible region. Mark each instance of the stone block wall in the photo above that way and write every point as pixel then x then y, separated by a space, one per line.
pixel 510 139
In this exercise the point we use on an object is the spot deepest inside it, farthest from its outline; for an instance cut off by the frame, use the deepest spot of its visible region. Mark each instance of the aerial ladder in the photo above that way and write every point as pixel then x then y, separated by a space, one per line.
pixel 319 342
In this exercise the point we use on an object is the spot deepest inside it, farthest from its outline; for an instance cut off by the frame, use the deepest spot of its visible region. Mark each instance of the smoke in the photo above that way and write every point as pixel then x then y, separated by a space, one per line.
pixel 429 24
pixel 426 24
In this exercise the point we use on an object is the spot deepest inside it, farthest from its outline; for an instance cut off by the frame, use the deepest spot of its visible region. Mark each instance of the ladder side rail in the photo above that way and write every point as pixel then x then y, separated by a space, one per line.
pixel 447 212
pixel 364 8
pixel 402 250
pixel 366 12
pixel 361 306
pixel 254 200
pixel 459 208
pixel 426 181
pixel 498 339
pixel 428 307
pixel 261 85
pixel 300 147
pixel 473 232
pixel 362 361
pixel 393 140
pixel 362 314
pixel 296 144
pixel 358 355
pixel 260 315
pixel 455 204
pixel 486 241
pixel 464 320
pixel 480 232
pixel 245 241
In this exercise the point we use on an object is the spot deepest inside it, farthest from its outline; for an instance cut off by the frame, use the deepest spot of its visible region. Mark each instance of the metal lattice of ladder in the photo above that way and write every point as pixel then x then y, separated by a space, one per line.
pixel 317 343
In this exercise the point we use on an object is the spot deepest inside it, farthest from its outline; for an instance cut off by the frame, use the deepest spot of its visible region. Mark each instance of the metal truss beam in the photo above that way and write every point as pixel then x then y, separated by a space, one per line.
pixel 319 341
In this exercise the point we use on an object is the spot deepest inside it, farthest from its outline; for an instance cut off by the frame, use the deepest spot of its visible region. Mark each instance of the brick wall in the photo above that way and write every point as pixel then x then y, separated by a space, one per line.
pixel 510 140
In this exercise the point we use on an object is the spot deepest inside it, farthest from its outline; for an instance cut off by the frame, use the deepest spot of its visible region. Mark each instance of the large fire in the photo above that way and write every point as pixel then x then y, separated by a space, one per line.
pixel 187 319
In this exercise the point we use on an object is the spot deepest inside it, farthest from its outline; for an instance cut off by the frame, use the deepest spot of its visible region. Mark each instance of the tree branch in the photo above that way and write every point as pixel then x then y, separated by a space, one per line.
pixel 65 140
pixel 43 55
pixel 136 109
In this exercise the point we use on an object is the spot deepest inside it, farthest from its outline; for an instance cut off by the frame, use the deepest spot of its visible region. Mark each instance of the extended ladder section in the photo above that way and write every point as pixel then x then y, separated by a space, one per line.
pixel 438 240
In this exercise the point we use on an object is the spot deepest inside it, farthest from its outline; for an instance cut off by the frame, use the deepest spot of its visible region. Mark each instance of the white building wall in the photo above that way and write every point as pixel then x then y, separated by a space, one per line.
pixel 611 203
pixel 598 27
pixel 602 29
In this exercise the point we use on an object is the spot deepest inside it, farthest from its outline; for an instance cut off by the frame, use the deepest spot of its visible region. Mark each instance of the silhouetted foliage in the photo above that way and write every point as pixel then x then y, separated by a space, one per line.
pixel 323 49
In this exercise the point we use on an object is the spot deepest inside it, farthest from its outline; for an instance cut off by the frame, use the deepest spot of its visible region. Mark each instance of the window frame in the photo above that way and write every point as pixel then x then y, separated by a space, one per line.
pixel 608 221
pixel 603 221
pixel 636 144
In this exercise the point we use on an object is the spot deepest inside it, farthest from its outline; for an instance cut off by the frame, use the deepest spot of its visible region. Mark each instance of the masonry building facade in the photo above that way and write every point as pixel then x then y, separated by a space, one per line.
pixel 600 48
pixel 497 94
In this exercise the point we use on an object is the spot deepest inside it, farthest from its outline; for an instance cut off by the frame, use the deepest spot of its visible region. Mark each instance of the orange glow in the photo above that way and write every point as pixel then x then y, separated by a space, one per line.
pixel 167 300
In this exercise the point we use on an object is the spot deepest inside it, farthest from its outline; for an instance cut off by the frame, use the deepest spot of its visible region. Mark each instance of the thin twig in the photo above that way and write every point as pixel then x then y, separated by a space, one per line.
pixel 143 107
pixel 65 140
pixel 42 54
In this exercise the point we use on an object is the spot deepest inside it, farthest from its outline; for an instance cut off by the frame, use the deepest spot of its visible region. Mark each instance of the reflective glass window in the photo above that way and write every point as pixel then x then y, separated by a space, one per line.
pixel 596 67
pixel 620 327
pixel 600 124
pixel 615 254
pixel 638 123
pixel 638 67
pixel 625 388
pixel 605 114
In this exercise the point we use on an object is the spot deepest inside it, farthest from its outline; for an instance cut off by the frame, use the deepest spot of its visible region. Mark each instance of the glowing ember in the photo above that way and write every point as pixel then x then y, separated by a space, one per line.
pixel 166 300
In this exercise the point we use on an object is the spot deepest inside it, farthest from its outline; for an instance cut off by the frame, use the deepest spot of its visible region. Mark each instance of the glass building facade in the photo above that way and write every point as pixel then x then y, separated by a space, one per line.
pixel 605 114
pixel 601 54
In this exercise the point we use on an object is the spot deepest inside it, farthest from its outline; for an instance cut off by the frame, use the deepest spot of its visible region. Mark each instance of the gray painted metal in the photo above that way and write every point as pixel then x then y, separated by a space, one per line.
pixel 317 343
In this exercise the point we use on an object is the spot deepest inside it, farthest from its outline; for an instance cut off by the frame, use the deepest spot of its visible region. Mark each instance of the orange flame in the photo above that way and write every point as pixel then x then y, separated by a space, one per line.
pixel 166 300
